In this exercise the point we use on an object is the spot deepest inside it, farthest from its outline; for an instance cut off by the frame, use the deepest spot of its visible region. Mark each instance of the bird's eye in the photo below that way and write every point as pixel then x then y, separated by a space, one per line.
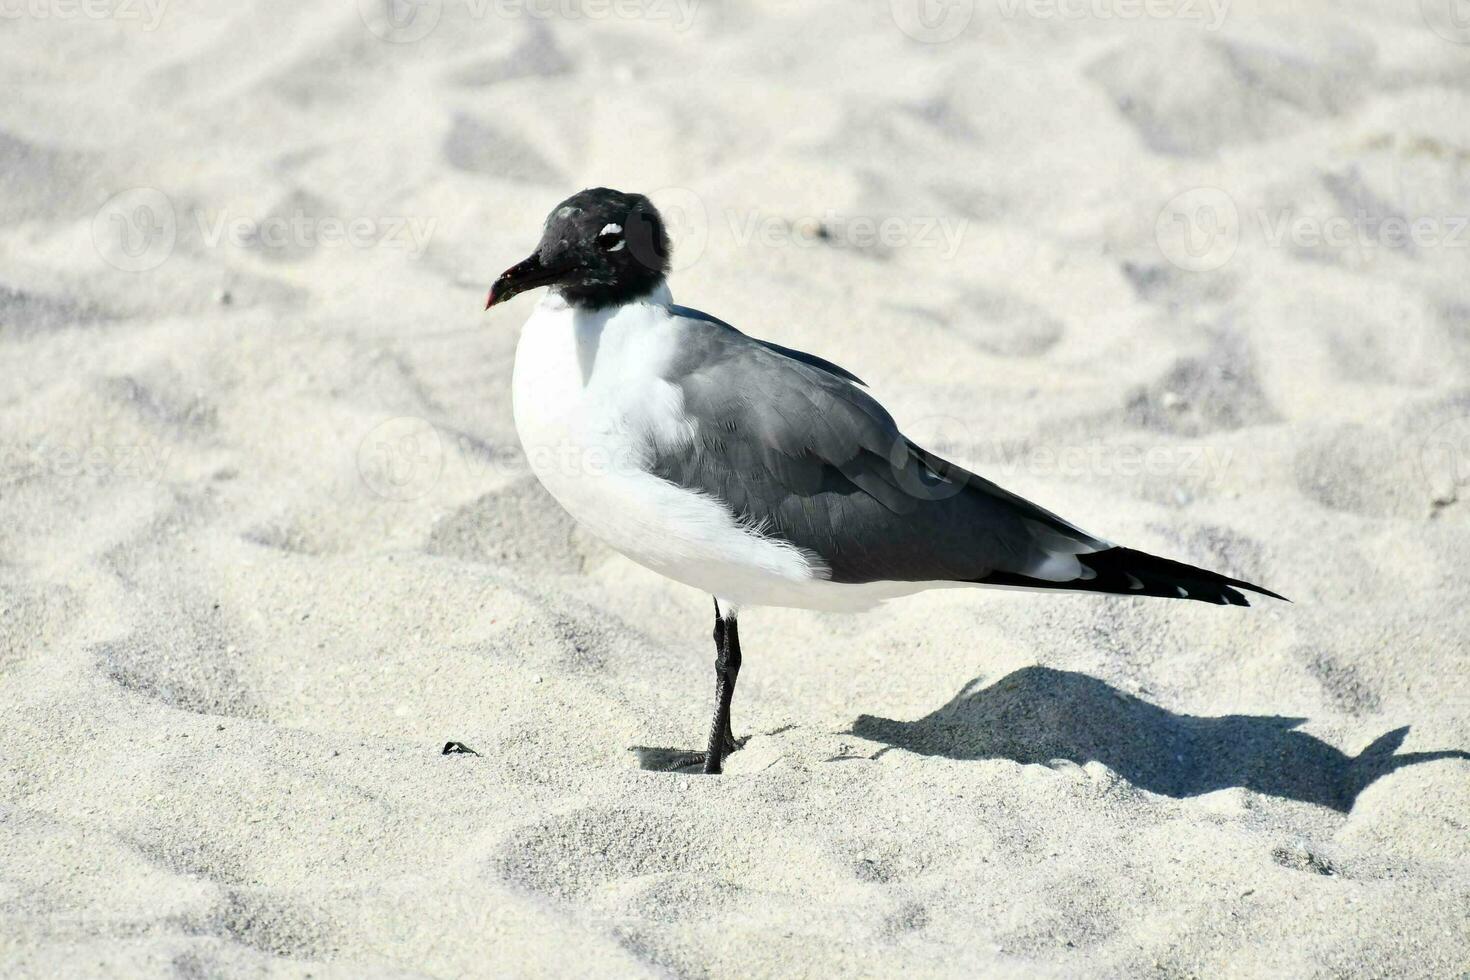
pixel 610 238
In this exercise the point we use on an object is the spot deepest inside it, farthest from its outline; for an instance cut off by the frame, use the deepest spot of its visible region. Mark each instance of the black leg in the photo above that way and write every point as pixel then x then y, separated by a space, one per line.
pixel 727 669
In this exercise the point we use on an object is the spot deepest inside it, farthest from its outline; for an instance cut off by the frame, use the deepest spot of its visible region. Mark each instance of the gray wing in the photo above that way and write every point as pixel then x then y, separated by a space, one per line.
pixel 796 355
pixel 795 449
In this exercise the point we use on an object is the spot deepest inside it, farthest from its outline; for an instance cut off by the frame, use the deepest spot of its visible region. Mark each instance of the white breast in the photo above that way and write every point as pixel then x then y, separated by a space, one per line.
pixel 590 402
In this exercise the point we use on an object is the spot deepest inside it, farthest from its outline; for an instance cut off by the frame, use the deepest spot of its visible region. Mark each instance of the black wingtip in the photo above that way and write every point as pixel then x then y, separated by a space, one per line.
pixel 1258 589
pixel 1202 583
pixel 1124 571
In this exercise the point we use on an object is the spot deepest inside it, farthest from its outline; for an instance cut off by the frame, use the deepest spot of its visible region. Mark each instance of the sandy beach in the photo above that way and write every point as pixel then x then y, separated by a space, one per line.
pixel 1192 274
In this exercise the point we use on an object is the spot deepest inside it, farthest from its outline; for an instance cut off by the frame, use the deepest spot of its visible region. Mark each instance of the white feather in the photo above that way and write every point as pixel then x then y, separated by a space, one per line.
pixel 589 398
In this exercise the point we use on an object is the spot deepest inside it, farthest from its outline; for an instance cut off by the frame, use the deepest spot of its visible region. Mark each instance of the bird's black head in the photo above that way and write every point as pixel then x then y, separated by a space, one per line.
pixel 599 248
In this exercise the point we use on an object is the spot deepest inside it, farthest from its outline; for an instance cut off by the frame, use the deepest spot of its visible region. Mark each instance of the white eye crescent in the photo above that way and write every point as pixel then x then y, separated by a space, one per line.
pixel 611 237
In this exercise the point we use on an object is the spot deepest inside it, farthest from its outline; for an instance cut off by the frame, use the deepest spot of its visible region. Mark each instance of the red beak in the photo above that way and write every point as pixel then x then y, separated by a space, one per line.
pixel 519 278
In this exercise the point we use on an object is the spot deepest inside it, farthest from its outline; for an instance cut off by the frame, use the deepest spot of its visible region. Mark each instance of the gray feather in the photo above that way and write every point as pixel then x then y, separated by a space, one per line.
pixel 794 447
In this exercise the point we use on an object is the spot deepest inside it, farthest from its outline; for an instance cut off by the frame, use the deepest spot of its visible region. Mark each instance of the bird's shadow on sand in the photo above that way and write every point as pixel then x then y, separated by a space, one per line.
pixel 1037 715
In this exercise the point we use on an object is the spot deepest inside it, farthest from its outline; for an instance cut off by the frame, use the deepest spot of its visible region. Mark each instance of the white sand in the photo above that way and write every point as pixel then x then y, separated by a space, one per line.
pixel 260 559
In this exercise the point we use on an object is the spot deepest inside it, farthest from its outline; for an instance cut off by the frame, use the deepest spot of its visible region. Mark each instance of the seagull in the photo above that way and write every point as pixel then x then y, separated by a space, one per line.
pixel 764 476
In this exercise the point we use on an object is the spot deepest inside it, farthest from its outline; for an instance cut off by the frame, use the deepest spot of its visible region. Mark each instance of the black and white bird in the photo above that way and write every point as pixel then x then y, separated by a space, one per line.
pixel 762 475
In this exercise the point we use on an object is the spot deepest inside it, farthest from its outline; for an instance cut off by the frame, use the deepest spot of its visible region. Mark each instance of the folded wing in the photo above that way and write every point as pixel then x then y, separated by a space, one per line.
pixel 797 450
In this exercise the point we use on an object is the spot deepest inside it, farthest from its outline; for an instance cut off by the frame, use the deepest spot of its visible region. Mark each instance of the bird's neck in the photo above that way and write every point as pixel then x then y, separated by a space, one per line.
pixel 656 295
